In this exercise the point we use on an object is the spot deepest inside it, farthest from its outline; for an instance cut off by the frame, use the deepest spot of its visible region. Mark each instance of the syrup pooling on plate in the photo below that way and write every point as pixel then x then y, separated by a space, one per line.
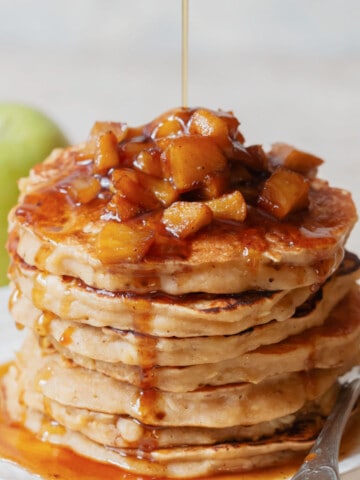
pixel 49 461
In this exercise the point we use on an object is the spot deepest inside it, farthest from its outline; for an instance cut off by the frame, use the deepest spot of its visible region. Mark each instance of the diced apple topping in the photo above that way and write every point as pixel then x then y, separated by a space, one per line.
pixel 163 190
pixel 121 209
pixel 100 128
pixel 231 206
pixel 178 173
pixel 182 115
pixel 169 128
pixel 284 192
pixel 120 130
pixel 258 160
pixel 118 242
pixel 250 192
pixel 282 154
pixel 183 219
pixel 127 184
pixel 239 173
pixel 131 148
pixel 232 124
pixel 83 189
pixel 189 159
pixel 214 185
pixel 206 123
pixel 148 161
pixel 106 153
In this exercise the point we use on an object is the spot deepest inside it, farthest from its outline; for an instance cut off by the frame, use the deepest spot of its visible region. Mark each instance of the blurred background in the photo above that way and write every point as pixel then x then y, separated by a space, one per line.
pixel 289 70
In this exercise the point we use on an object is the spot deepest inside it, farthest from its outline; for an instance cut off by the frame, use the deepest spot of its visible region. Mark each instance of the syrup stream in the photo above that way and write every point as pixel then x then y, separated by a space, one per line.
pixel 185 52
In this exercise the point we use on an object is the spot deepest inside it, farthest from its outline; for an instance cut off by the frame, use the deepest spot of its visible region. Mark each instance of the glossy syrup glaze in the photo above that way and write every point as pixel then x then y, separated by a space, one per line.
pixel 21 447
pixel 56 209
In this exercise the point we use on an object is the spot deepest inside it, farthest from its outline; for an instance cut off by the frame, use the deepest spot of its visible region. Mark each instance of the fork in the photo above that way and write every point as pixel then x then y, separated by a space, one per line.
pixel 322 461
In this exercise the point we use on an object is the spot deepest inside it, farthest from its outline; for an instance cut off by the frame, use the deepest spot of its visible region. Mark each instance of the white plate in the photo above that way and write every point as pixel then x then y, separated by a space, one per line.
pixel 10 340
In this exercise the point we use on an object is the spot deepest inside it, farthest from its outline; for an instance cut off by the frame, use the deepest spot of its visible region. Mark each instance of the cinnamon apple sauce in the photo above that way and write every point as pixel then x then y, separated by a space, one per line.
pixel 188 302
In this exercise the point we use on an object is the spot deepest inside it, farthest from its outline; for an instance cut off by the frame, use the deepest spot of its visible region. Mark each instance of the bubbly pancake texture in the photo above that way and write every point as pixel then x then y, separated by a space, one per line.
pixel 189 303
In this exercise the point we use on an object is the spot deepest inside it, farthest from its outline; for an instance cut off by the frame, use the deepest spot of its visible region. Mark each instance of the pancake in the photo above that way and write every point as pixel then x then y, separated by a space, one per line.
pixel 112 345
pixel 159 315
pixel 126 432
pixel 188 299
pixel 328 346
pixel 51 233
pixel 245 403
pixel 183 462
pixel 155 314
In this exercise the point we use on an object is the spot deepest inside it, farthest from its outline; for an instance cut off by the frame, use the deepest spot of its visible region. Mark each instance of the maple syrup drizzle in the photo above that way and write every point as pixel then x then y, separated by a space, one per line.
pixel 42 377
pixel 43 323
pixel 39 290
pixel 14 297
pixel 146 403
pixel 50 461
pixel 66 301
pixel 43 253
pixel 66 337
pixel 185 52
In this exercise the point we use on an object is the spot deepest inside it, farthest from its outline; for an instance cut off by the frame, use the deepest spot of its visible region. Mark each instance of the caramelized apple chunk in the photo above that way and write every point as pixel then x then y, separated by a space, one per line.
pixel 83 189
pixel 183 219
pixel 189 159
pixel 231 206
pixel 148 161
pixel 106 153
pixel 290 157
pixel 118 242
pixel 120 130
pixel 239 174
pixel 232 125
pixel 214 185
pixel 126 183
pixel 284 192
pixel 258 159
pixel 163 190
pixel 131 148
pixel 121 209
pixel 169 128
pixel 177 116
pixel 162 182
pixel 207 123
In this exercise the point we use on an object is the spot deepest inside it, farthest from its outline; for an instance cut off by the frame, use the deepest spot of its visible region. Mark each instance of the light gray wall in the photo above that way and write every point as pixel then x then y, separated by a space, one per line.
pixel 290 69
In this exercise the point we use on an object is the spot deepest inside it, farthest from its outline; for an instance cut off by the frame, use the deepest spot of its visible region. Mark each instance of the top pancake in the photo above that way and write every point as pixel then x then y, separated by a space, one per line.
pixel 52 231
pixel 225 258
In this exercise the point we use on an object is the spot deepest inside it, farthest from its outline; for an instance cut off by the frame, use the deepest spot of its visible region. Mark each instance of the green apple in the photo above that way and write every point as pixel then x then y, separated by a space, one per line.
pixel 27 136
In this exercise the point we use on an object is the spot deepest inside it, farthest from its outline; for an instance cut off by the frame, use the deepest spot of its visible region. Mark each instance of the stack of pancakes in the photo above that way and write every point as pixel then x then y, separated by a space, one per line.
pixel 215 352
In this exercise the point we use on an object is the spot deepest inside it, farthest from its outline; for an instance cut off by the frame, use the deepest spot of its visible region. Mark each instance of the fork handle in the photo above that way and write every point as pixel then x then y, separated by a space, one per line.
pixel 322 461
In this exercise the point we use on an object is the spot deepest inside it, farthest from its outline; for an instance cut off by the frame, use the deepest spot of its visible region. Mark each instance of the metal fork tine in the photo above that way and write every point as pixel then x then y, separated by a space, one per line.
pixel 322 461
